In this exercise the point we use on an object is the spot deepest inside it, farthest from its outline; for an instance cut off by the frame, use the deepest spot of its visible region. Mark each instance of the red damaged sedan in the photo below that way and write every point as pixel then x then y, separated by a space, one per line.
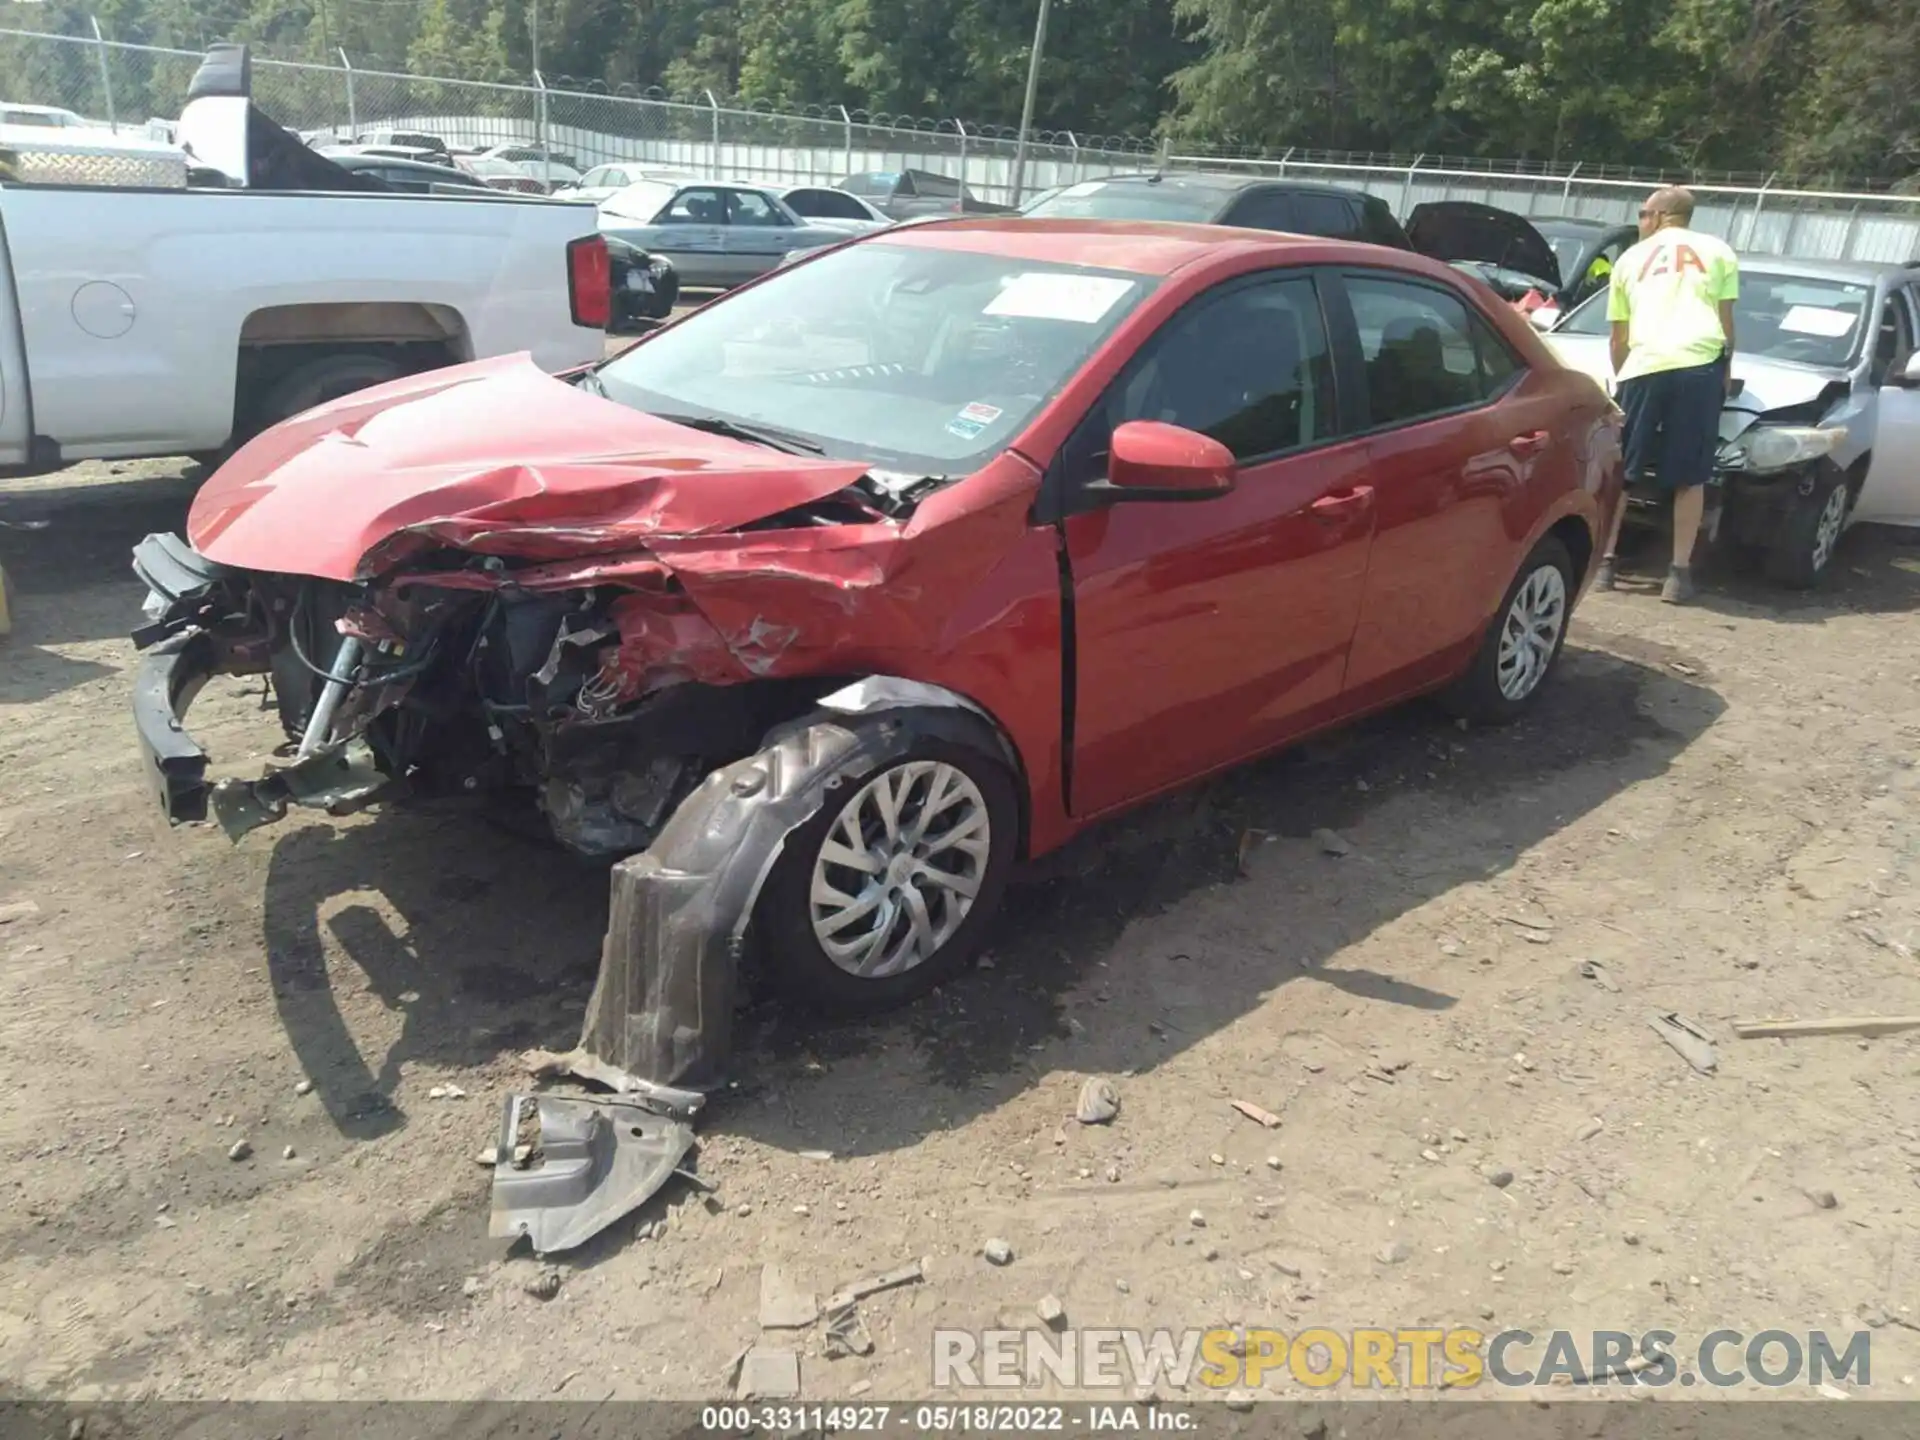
pixel 908 561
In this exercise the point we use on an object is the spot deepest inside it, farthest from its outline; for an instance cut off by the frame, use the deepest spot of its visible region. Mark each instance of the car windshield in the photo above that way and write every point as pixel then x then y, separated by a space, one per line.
pixel 1133 200
pixel 1801 319
pixel 1566 253
pixel 919 360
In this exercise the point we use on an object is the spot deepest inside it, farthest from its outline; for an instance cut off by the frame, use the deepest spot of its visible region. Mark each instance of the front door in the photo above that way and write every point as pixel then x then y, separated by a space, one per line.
pixel 1891 494
pixel 1207 632
pixel 1453 435
pixel 758 233
pixel 691 231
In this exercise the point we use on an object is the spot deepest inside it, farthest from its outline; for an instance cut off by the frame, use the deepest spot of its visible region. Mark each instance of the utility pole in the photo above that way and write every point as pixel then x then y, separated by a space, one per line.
pixel 1026 108
pixel 546 147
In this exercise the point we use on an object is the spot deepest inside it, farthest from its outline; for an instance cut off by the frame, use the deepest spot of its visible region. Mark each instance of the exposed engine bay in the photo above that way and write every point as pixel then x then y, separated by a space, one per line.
pixel 596 708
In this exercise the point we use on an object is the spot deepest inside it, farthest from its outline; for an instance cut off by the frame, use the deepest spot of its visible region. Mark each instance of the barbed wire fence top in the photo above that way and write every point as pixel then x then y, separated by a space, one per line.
pixel 592 124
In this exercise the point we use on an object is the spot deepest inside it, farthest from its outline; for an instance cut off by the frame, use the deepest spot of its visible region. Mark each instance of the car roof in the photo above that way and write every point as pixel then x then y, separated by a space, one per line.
pixel 405 167
pixel 1854 272
pixel 1143 247
pixel 1219 183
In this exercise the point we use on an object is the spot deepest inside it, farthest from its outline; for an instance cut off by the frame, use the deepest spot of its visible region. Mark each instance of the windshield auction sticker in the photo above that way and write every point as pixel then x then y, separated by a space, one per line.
pixel 1045 295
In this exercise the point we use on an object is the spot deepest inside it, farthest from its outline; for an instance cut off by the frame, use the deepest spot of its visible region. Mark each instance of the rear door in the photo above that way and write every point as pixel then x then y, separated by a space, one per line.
pixel 1207 632
pixel 1453 437
pixel 1891 494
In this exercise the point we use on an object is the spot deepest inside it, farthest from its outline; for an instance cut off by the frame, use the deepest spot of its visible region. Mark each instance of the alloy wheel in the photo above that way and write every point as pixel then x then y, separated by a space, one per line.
pixel 900 868
pixel 1826 534
pixel 1530 632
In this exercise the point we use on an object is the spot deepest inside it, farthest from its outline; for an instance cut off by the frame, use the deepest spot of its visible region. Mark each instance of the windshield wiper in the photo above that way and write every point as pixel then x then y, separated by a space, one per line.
pixel 766 435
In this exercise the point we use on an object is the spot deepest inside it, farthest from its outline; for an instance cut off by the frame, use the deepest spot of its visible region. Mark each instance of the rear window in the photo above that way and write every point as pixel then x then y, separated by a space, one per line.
pixel 641 201
pixel 1131 200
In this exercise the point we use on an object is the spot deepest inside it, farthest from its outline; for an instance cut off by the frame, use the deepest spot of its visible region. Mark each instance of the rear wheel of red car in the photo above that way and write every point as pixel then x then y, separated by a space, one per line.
pixel 1523 642
pixel 892 887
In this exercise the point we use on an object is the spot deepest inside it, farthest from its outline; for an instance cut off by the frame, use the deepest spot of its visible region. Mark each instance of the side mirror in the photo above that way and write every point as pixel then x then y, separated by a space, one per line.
pixel 1149 460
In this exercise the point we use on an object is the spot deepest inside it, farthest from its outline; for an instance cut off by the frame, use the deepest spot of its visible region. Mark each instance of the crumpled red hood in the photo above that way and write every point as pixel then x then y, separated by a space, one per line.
pixel 496 457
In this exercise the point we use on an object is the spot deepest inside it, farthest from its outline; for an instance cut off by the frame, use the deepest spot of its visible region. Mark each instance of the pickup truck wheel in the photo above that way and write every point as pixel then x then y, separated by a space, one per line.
pixel 892 886
pixel 320 381
pixel 1523 642
pixel 1802 553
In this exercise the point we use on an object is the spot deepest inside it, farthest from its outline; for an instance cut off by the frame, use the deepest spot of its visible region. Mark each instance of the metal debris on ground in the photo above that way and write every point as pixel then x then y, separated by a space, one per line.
pixel 1256 1114
pixel 783 1305
pixel 767 1374
pixel 1099 1102
pixel 599 1161
pixel 1692 1043
pixel 1593 970
pixel 873 1284
pixel 847 1333
pixel 545 1285
pixel 1837 1025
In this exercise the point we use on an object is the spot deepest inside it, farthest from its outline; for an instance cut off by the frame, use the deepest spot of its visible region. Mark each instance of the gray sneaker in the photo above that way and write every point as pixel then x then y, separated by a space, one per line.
pixel 1603 578
pixel 1679 587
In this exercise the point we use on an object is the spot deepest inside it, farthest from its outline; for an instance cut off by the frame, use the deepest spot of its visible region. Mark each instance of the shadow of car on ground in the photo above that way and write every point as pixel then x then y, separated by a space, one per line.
pixel 498 939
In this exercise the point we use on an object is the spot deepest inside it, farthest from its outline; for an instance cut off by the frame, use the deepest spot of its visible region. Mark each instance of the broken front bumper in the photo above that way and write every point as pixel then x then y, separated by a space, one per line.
pixel 169 677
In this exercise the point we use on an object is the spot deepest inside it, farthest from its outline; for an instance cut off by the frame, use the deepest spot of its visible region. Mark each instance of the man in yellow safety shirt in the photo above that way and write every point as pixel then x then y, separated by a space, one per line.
pixel 1670 301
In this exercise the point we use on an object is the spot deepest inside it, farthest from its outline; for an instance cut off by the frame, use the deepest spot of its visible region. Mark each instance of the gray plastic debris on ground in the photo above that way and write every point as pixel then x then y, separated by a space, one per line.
pixel 659 1026
pixel 595 1162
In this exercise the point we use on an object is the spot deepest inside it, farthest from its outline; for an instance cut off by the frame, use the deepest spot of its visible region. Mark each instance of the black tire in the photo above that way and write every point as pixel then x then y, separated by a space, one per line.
pixel 1797 558
pixel 1477 695
pixel 319 381
pixel 783 927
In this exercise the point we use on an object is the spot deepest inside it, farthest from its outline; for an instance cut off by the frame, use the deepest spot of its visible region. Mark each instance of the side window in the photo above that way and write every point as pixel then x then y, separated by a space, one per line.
pixel 1424 352
pixel 611 176
pixel 831 204
pixel 940 186
pixel 1329 215
pixel 750 207
pixel 1260 210
pixel 695 207
pixel 1250 367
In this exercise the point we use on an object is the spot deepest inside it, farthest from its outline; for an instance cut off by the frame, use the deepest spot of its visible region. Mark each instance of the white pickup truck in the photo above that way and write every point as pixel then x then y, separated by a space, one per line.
pixel 168 318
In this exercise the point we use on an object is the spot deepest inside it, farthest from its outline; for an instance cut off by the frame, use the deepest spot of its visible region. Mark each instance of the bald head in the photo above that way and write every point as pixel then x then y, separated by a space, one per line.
pixel 1669 205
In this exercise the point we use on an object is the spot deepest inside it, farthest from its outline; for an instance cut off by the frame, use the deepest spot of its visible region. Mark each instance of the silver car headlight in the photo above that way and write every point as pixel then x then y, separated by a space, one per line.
pixel 1780 447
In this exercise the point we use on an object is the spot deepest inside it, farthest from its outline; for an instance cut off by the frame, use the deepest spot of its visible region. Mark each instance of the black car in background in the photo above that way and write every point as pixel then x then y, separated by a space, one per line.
pixel 413 177
pixel 916 194
pixel 1500 246
pixel 645 286
pixel 1299 207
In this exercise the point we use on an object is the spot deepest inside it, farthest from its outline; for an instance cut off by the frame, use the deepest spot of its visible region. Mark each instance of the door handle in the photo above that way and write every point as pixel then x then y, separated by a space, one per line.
pixel 1530 443
pixel 1341 503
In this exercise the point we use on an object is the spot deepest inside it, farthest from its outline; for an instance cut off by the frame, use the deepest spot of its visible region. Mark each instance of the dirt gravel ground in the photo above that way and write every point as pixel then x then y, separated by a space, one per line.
pixel 1716 804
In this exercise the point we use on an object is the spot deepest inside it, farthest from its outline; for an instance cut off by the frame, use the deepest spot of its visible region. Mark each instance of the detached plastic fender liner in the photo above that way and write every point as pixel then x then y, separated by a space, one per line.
pixel 659 1024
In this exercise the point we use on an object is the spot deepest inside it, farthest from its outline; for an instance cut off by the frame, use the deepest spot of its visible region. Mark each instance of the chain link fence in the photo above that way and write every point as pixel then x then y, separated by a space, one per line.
pixel 132 84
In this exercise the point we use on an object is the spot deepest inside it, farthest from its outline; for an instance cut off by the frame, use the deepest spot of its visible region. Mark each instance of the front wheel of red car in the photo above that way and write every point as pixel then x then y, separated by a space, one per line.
pixel 1523 642
pixel 893 885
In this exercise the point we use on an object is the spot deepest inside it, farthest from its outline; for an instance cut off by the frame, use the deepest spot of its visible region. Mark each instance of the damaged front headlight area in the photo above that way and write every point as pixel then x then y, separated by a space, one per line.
pixel 1767 449
pixel 588 709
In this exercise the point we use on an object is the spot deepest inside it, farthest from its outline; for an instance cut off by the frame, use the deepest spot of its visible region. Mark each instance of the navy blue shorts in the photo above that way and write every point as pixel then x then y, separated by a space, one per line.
pixel 1673 424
